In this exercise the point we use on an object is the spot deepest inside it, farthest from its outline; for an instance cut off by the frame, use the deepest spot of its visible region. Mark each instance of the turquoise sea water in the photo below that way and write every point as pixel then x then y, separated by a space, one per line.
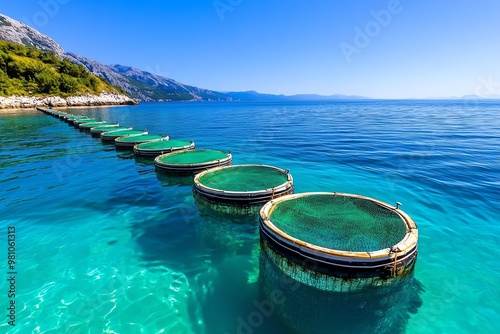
pixel 105 244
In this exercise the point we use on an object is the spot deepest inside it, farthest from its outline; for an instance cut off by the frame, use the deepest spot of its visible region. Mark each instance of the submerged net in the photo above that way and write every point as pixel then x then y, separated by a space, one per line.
pixel 244 178
pixel 140 138
pixel 164 144
pixel 339 222
pixel 322 304
pixel 193 157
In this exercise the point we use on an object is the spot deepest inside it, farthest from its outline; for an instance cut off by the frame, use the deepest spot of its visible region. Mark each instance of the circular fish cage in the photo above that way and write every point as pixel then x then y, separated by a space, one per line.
pixel 110 136
pixel 88 125
pixel 243 185
pixel 349 238
pixel 192 161
pixel 73 119
pixel 128 142
pixel 96 131
pixel 77 122
pixel 155 148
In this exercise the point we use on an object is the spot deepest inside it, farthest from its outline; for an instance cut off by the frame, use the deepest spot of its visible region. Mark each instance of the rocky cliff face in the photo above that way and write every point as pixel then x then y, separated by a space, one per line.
pixel 147 86
pixel 139 84
pixel 108 73
pixel 159 88
pixel 17 32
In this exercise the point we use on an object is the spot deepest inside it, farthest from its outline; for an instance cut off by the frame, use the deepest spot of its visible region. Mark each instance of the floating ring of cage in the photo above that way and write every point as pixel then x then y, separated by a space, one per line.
pixel 113 134
pixel 156 148
pixel 243 184
pixel 130 141
pixel 192 161
pixel 342 235
pixel 96 131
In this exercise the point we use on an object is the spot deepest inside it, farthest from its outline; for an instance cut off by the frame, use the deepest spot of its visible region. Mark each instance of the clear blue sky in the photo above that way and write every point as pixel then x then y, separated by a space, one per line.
pixel 424 49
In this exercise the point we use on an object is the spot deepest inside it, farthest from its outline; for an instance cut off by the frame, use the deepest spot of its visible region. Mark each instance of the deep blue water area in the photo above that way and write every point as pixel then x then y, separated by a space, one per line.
pixel 106 244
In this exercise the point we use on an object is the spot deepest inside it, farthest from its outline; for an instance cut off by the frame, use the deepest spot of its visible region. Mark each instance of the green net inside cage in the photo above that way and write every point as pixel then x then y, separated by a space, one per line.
pixel 119 133
pixel 244 178
pixel 140 138
pixel 193 157
pixel 92 124
pixel 87 120
pixel 109 128
pixel 340 223
pixel 164 144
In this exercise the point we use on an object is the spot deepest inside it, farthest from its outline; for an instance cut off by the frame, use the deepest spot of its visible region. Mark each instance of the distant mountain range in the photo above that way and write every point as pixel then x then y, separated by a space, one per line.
pixel 481 97
pixel 254 96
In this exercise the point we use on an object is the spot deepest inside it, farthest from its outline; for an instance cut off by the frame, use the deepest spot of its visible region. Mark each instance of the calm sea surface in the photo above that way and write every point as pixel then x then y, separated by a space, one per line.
pixel 105 244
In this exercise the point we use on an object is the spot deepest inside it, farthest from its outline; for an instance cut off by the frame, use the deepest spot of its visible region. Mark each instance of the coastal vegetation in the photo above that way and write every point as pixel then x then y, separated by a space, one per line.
pixel 26 71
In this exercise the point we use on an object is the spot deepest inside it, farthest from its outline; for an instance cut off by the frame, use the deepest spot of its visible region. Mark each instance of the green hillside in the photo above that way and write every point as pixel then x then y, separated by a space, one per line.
pixel 30 72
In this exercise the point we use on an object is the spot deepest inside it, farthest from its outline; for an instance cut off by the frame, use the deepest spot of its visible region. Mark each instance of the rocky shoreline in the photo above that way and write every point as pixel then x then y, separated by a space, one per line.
pixel 15 102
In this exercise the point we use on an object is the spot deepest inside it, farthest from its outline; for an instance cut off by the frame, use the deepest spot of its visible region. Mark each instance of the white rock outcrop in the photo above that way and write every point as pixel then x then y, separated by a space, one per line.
pixel 15 102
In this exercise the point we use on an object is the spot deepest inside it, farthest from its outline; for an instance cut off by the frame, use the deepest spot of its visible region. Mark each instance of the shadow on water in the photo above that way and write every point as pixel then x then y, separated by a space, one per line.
pixel 141 161
pixel 188 237
pixel 167 180
pixel 229 233
pixel 306 309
